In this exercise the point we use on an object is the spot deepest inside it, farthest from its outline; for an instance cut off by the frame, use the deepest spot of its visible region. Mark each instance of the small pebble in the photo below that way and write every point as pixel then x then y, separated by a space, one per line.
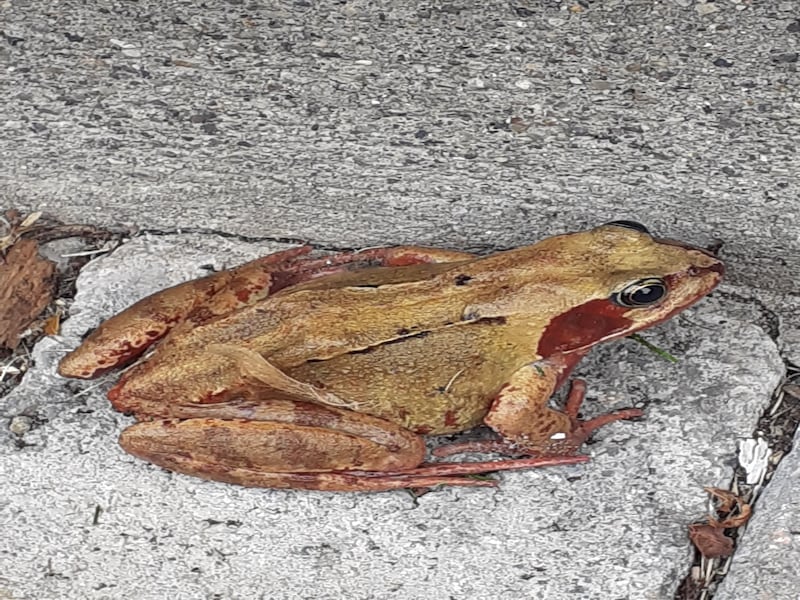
pixel 706 8
pixel 20 425
pixel 785 57
pixel 518 125
pixel 601 84
pixel 730 171
pixel 121 43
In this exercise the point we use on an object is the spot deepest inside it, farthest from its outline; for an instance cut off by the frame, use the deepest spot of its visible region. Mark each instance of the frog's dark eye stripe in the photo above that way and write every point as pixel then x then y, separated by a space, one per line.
pixel 644 292
pixel 635 225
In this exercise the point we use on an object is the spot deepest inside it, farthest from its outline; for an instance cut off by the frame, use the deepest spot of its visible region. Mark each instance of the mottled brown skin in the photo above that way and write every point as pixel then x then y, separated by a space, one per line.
pixel 126 336
pixel 410 340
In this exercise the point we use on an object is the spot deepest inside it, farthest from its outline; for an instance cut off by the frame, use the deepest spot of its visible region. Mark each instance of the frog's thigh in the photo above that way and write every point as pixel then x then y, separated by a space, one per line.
pixel 520 412
pixel 302 438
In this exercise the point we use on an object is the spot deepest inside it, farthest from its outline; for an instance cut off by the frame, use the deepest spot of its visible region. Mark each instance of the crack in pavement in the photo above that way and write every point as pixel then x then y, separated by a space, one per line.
pixel 705 575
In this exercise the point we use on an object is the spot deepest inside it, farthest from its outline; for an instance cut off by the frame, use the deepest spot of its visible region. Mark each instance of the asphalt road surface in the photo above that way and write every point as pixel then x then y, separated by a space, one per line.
pixel 223 130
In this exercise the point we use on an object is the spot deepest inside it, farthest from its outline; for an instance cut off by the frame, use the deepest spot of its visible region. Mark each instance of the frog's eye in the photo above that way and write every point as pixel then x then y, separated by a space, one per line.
pixel 636 226
pixel 641 293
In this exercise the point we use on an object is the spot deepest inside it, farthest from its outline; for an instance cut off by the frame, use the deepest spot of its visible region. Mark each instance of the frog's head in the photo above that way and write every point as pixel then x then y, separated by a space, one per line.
pixel 621 280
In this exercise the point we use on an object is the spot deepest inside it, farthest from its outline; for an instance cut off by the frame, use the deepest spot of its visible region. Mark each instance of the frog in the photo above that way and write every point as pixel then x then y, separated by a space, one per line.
pixel 328 373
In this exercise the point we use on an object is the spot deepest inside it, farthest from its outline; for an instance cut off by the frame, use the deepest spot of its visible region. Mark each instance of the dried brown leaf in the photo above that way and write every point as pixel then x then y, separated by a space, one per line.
pixel 731 522
pixel 727 499
pixel 52 324
pixel 710 541
pixel 26 288
pixel 728 503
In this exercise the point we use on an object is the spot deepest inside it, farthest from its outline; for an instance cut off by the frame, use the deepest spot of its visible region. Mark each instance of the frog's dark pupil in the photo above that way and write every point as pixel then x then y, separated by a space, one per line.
pixel 647 295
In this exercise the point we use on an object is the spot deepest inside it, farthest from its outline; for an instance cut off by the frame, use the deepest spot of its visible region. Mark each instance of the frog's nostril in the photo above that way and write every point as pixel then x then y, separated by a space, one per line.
pixel 704 270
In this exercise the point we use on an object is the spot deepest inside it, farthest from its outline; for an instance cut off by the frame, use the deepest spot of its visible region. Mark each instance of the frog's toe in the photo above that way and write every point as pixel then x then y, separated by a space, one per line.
pixel 570 443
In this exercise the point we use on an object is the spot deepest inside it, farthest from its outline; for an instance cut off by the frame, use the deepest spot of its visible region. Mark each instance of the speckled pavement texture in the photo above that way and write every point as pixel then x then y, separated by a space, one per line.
pixel 223 129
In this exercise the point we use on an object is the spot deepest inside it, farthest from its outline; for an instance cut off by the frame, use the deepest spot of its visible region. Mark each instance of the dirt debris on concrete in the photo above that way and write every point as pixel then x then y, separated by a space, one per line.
pixel 34 287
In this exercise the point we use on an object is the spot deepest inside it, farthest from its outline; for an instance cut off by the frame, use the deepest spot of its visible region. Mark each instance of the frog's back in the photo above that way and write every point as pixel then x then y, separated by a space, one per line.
pixel 341 315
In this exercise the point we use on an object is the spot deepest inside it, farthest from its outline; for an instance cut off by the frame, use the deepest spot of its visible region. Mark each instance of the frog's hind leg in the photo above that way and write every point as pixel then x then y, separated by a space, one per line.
pixel 286 444
pixel 332 481
pixel 126 336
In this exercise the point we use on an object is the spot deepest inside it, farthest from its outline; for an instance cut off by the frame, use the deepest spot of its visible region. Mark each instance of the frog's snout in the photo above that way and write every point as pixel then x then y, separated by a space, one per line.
pixel 703 260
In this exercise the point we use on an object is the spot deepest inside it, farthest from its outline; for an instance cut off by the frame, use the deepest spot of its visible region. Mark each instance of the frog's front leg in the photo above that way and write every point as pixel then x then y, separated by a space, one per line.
pixel 288 444
pixel 528 426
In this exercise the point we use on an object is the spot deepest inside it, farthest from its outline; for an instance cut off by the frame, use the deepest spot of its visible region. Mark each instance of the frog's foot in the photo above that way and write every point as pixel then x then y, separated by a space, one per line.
pixel 333 481
pixel 423 477
pixel 558 442
pixel 489 466
pixel 583 430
